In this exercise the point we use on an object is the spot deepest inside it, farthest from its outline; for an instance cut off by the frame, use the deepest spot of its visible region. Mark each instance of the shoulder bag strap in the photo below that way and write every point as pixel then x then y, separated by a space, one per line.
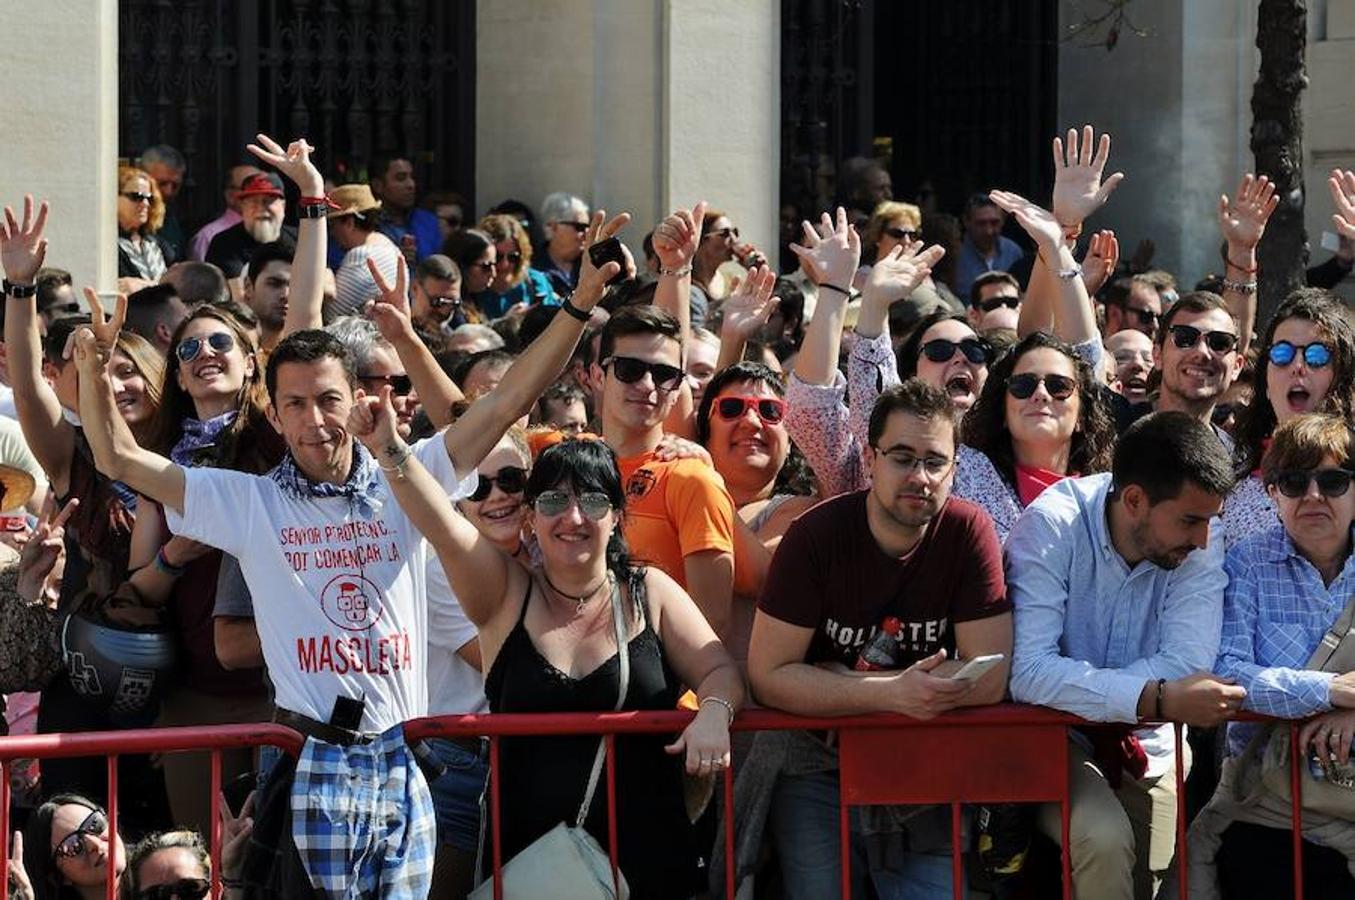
pixel 623 659
pixel 1332 640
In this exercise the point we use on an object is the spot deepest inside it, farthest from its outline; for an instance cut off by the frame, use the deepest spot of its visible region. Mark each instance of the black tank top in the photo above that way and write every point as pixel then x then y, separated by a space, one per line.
pixel 544 778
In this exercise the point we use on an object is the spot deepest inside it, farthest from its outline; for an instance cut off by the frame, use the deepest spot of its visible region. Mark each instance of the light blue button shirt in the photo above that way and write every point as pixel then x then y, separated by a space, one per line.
pixel 1091 631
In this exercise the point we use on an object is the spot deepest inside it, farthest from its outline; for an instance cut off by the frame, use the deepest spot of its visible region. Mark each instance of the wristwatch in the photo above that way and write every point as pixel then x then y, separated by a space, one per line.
pixel 20 291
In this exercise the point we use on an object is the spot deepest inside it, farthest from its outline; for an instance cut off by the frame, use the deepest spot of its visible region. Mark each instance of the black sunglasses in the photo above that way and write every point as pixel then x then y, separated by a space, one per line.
pixel 993 303
pixel 483 266
pixel 629 370
pixel 183 889
pixel 189 348
pixel 1022 386
pixel 975 350
pixel 1330 482
pixel 443 302
pixel 580 227
pixel 514 257
pixel 901 234
pixel 1186 337
pixel 73 845
pixel 138 197
pixel 1145 316
pixel 510 479
pixel 400 384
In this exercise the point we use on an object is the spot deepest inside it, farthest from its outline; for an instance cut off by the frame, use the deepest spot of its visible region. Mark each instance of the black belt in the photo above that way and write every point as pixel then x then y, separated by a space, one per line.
pixel 322 731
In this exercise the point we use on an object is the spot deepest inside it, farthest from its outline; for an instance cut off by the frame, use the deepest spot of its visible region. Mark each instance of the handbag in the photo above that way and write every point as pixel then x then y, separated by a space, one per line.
pixel 1334 793
pixel 567 863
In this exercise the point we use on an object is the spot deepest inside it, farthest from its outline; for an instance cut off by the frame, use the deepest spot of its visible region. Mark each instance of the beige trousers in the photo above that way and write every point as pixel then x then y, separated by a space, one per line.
pixel 1123 841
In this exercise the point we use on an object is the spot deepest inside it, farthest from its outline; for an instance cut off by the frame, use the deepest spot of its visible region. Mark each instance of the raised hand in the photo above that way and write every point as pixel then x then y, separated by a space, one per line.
pixel 294 162
pixel 747 309
pixel 20 885
pixel 592 280
pixel 1103 255
pixel 235 832
pixel 1243 221
pixel 1038 222
pixel 22 246
pixel 898 274
pixel 1341 183
pixel 372 420
pixel 677 237
pixel 39 556
pixel 832 253
pixel 1078 188
pixel 92 345
pixel 390 310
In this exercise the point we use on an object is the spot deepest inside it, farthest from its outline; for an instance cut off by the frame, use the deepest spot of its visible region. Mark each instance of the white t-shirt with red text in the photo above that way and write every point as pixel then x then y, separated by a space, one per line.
pixel 340 598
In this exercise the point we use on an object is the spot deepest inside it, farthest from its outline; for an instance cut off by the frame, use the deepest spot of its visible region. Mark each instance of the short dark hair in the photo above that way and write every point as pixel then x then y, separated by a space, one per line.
pixel 264 254
pixel 1162 451
pixel 48 282
pixel 382 162
pixel 308 346
pixel 198 282
pixel 153 306
pixel 996 276
pixel 632 320
pixel 436 265
pixel 585 465
pixel 534 322
pixel 977 201
pixel 915 397
pixel 58 333
pixel 466 246
pixel 464 367
pixel 560 392
pixel 1196 302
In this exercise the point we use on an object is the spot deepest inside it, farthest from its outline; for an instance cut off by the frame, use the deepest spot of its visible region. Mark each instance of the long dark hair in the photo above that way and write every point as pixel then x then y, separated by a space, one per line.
pixel 586 465
pixel 910 348
pixel 1257 420
pixel 985 426
pixel 176 405
pixel 48 882
pixel 794 476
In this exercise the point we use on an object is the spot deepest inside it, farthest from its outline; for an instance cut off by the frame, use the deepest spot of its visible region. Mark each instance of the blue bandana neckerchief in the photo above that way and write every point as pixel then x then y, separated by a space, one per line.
pixel 362 487
pixel 199 435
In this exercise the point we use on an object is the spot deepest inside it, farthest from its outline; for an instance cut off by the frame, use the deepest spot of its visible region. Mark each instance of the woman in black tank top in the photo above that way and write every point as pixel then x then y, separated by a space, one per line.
pixel 548 643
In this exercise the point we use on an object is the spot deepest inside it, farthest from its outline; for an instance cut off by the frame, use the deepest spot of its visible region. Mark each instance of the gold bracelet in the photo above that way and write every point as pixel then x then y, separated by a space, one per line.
pixel 729 707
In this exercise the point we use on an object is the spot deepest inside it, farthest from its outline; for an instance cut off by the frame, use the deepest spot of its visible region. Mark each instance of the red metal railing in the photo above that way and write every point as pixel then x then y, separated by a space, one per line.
pixel 956 751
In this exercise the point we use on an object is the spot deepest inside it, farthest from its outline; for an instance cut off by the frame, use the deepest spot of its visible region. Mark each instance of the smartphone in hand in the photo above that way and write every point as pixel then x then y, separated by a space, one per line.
pixel 976 668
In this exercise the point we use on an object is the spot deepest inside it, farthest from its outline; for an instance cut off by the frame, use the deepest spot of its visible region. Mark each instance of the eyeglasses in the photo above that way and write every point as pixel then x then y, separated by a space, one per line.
pixel 138 197
pixel 629 370
pixel 993 303
pixel 1146 317
pixel 513 258
pixel 725 233
pixel 941 350
pixel 771 410
pixel 1186 337
pixel 189 348
pixel 72 845
pixel 593 504
pixel 1022 386
pixel 901 234
pixel 1315 355
pixel 183 889
pixel 1330 482
pixel 579 227
pixel 400 384
pixel 510 479
pixel 933 467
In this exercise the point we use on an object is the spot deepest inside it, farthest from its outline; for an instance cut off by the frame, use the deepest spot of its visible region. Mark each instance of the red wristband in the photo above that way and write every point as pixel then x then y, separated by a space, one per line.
pixel 319 201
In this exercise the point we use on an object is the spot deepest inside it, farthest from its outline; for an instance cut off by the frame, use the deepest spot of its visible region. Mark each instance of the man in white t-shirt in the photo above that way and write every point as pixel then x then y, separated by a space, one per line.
pixel 337 571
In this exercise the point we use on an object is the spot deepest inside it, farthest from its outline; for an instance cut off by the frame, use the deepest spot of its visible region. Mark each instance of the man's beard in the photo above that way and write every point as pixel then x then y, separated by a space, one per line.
pixel 265 231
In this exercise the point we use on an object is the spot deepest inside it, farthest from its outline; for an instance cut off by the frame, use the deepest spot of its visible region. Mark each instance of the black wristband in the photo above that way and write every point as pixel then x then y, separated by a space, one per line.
pixel 313 211
pixel 20 291
pixel 833 287
pixel 574 312
pixel 1157 707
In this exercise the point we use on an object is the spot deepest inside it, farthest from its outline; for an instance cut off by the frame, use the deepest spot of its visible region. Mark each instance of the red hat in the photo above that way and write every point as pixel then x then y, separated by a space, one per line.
pixel 265 184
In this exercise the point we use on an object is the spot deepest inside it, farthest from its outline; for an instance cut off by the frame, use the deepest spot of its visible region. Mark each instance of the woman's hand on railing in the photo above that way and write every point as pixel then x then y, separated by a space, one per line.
pixel 705 741
pixel 1330 735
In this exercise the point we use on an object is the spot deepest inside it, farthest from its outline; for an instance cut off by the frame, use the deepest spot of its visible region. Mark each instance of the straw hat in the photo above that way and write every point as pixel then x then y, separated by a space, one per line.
pixel 18 486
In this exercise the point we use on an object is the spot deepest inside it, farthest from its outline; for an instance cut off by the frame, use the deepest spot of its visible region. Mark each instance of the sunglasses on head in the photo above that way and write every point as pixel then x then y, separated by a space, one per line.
pixel 629 370
pixel 73 845
pixel 1315 355
pixel 400 384
pixel 183 889
pixel 1187 337
pixel 1330 482
pixel 1022 386
pixel 138 197
pixel 771 410
pixel 901 234
pixel 510 479
pixel 593 504
pixel 975 350
pixel 993 303
pixel 189 348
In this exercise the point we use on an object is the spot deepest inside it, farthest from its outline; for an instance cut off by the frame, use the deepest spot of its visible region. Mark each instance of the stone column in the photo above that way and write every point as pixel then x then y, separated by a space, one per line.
pixel 60 109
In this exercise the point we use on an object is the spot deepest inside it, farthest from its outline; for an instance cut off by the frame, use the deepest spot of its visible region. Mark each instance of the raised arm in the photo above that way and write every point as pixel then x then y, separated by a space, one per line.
pixel 306 295
pixel 477 570
pixel 832 255
pixel 116 452
pixel 676 239
pixel 390 312
pixel 479 429
pixel 744 313
pixel 892 279
pixel 1074 321
pixel 51 438
pixel 1242 222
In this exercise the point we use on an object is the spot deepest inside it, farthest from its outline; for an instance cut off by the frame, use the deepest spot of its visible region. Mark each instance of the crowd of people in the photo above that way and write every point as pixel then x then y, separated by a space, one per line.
pixel 344 462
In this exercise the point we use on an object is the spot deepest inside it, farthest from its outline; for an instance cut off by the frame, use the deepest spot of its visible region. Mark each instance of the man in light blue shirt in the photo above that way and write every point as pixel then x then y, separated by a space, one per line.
pixel 983 249
pixel 1118 595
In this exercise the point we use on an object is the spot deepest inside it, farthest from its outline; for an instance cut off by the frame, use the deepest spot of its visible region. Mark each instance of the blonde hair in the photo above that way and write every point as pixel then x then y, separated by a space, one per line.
pixel 128 174
pixel 885 213
pixel 507 228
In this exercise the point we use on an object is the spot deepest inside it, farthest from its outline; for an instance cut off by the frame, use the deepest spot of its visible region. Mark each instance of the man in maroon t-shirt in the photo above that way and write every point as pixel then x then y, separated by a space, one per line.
pixel 901 549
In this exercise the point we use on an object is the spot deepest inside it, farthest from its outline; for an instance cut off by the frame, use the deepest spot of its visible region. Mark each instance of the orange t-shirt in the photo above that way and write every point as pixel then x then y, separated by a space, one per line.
pixel 675 509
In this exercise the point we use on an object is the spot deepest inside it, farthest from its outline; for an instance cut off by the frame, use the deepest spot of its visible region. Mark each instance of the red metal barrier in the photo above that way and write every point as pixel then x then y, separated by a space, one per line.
pixel 956 751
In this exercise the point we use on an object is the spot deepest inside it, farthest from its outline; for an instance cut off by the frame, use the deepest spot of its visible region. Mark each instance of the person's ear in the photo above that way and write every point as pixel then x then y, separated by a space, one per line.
pixel 271 414
pixel 1157 354
pixel 1135 500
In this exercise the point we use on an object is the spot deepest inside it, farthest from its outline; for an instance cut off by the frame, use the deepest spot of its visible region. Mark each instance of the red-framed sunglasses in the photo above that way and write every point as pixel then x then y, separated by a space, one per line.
pixel 770 410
